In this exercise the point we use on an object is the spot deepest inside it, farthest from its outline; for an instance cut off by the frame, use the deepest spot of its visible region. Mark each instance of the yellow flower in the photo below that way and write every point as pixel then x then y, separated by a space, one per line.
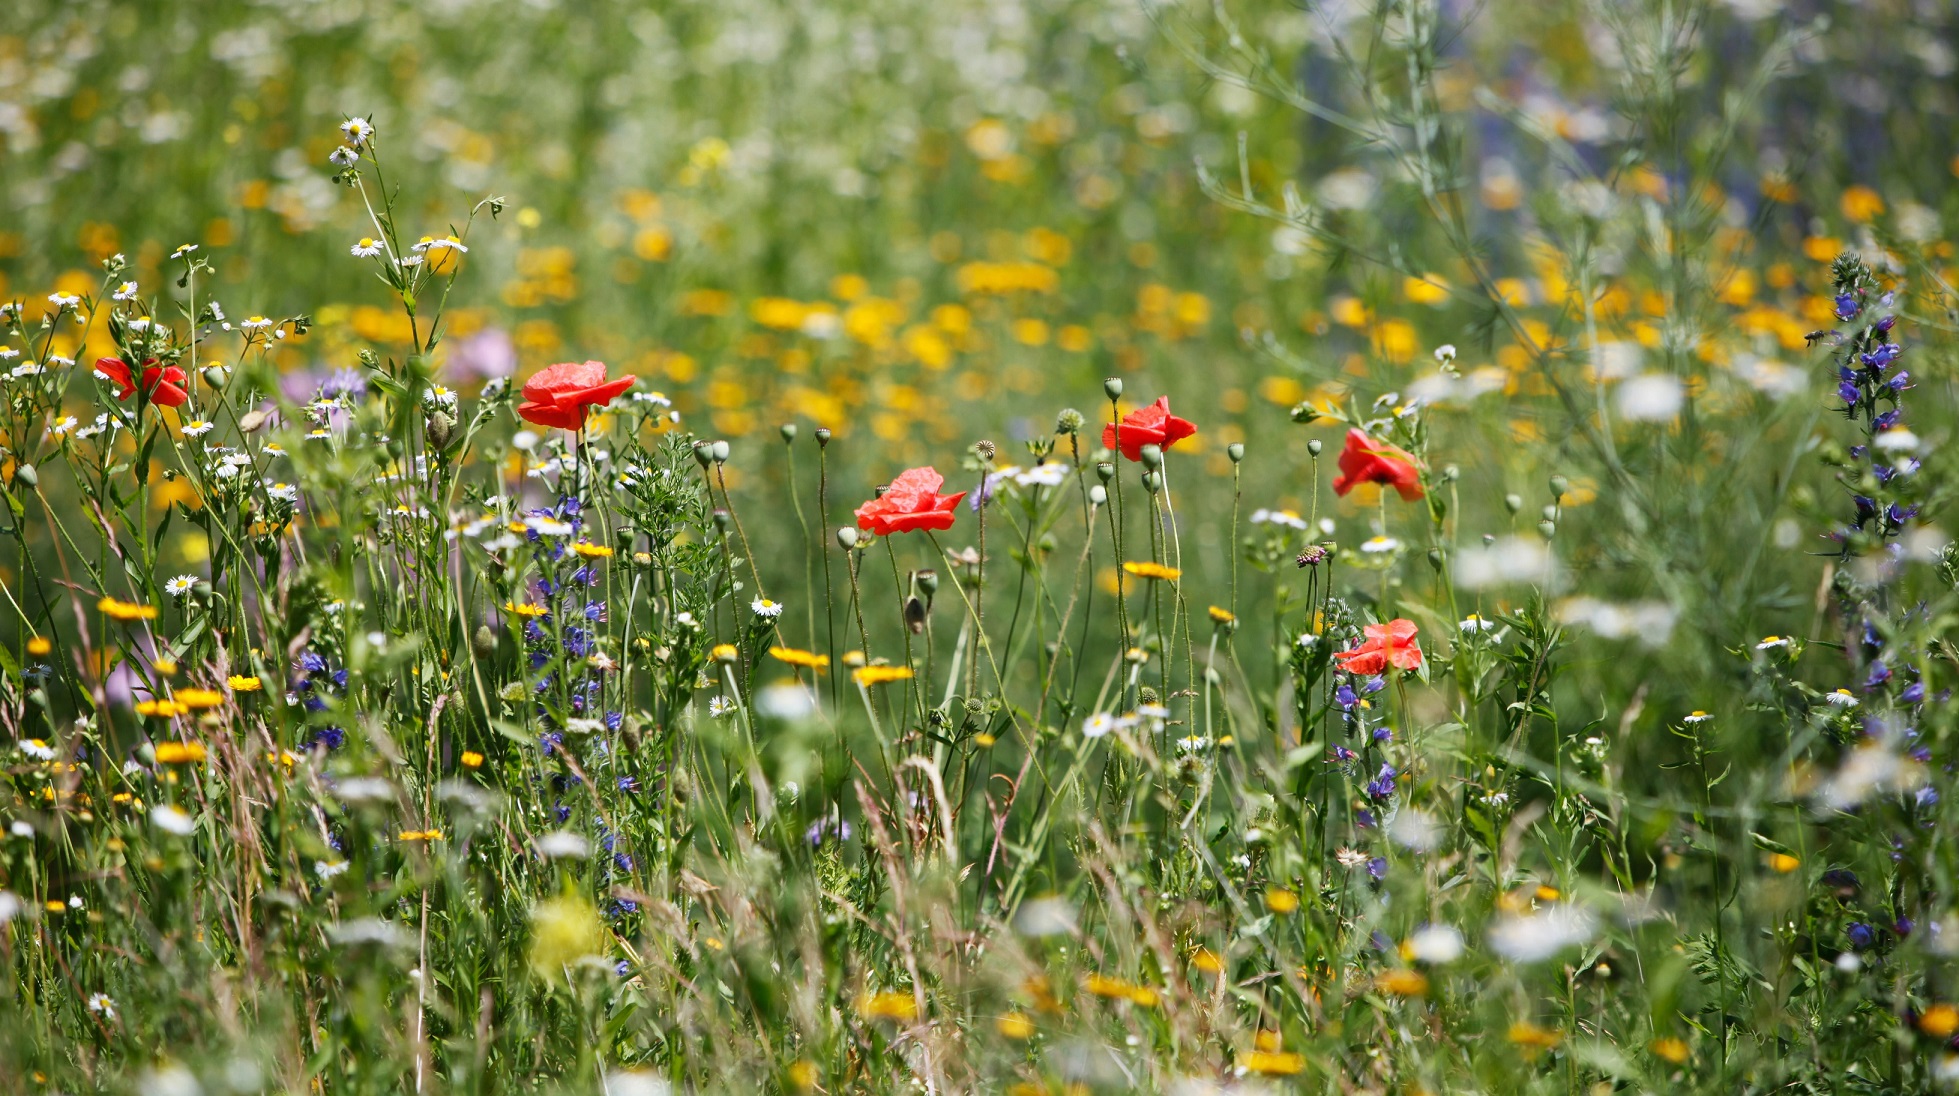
pixel 1279 900
pixel 244 683
pixel 125 610
pixel 564 932
pixel 198 699
pixel 1222 616
pixel 1402 983
pixel 39 646
pixel 1672 1049
pixel 879 675
pixel 1547 893
pixel 1860 203
pixel 178 753
pixel 525 610
pixel 161 709
pixel 1782 863
pixel 794 657
pixel 1939 1021
pixel 724 652
pixel 592 551
pixel 1533 1038
pixel 889 1005
pixel 1206 960
pixel 1015 1025
pixel 1148 569
pixel 1279 1063
pixel 471 759
pixel 165 666
pixel 1116 988
pixel 802 1074
pixel 421 835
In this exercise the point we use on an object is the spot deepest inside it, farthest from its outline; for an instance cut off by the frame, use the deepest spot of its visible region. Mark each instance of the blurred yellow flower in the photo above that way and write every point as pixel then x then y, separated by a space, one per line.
pixel 179 753
pixel 244 683
pixel 1015 1025
pixel 889 1005
pixel 879 675
pixel 1151 570
pixel 125 610
pixel 795 657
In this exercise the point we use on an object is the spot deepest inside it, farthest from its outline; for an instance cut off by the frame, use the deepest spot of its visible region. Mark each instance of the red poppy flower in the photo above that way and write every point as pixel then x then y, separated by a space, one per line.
pixel 911 502
pixel 163 383
pixel 1365 460
pixel 1390 644
pixel 1152 425
pixel 558 395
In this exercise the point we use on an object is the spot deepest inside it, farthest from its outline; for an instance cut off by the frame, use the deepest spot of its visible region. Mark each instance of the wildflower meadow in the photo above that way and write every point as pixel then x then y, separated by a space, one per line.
pixel 1008 546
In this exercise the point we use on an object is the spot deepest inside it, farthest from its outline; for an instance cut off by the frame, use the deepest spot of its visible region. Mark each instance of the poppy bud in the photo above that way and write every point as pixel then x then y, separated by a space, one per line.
pixel 1069 421
pixel 1113 386
pixel 1153 482
pixel 1558 487
pixel 1105 471
pixel 1548 528
pixel 484 643
pixel 822 437
pixel 440 429
pixel 623 537
pixel 788 431
pixel 1550 513
pixel 1451 473
pixel 1152 456
pixel 914 615
pixel 846 538
pixel 928 581
pixel 215 376
pixel 722 521
pixel 1513 503
pixel 704 453
pixel 27 477
pixel 1435 558
pixel 1314 446
pixel 720 452
pixel 1236 451
pixel 1098 495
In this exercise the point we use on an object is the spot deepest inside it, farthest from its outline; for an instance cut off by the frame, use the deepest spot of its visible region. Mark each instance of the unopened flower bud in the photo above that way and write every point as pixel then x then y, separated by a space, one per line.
pixel 720 452
pixel 1550 513
pixel 1435 558
pixel 1548 528
pixel 822 437
pixel 1236 451
pixel 789 430
pixel 484 643
pixel 1105 471
pixel 1315 446
pixel 1559 485
pixel 704 453
pixel 1513 503
pixel 440 429
pixel 928 581
pixel 1152 456
pixel 1451 473
pixel 723 521
pixel 1098 495
pixel 27 477
pixel 215 376
pixel 846 538
pixel 1113 386
pixel 1153 482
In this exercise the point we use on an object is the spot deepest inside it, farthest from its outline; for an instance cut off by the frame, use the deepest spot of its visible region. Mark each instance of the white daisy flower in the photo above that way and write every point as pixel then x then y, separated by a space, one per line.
pixel 408 261
pixel 328 869
pixel 447 242
pixel 1698 716
pixel 284 492
pixel 1097 725
pixel 255 323
pixel 102 1005
pixel 63 426
pixel 657 398
pixel 719 707
pixel 64 300
pixel 124 292
pixel 684 619
pixel 1288 518
pixel 1842 698
pixel 1772 642
pixel 183 250
pixel 179 586
pixel 37 749
pixel 1475 624
pixel 766 609
pixel 272 450
pixel 8 353
pixel 366 249
pixel 171 819
pixel 343 156
pixel 358 130
pixel 1379 545
pixel 197 428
